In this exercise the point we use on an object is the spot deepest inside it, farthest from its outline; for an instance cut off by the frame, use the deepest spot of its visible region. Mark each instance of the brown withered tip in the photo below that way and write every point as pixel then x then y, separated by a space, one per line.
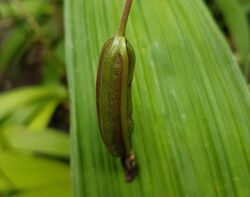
pixel 130 167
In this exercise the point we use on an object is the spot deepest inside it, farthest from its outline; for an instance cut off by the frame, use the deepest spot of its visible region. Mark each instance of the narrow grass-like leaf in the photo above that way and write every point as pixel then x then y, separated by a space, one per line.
pixel 41 119
pixel 61 189
pixel 12 100
pixel 35 115
pixel 27 171
pixel 24 114
pixel 48 142
pixel 15 42
pixel 191 104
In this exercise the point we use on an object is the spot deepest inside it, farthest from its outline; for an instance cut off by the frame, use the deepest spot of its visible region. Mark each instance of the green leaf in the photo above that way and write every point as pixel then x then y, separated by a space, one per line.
pixel 18 98
pixel 24 114
pixel 36 115
pixel 247 7
pixel 191 104
pixel 5 183
pixel 10 9
pixel 27 171
pixel 15 43
pixel 42 118
pixel 48 142
pixel 236 20
pixel 61 189
pixel 55 65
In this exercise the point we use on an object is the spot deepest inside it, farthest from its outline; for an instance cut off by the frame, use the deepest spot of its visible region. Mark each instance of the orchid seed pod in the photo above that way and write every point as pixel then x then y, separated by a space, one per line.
pixel 113 95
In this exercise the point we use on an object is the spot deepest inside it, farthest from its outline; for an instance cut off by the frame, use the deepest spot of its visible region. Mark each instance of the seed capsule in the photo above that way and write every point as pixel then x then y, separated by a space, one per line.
pixel 113 96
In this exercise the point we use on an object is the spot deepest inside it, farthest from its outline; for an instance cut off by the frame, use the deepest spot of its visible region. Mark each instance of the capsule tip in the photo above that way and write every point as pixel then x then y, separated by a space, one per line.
pixel 129 165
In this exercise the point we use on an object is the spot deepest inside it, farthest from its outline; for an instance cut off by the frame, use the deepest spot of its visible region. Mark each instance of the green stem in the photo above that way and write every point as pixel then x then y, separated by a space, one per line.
pixel 124 18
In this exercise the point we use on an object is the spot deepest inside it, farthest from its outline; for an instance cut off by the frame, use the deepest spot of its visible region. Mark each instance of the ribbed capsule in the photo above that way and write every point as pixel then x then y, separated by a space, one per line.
pixel 113 96
pixel 113 88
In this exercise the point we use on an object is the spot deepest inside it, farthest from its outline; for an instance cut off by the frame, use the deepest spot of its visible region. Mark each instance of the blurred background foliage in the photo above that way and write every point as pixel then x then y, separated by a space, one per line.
pixel 233 18
pixel 34 139
pixel 34 115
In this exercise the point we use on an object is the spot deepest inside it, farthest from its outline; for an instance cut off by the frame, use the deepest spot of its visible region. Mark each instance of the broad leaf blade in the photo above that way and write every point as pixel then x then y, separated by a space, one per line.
pixel 191 105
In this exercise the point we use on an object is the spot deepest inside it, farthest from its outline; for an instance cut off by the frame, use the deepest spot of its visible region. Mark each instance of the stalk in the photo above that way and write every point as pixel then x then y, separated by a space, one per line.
pixel 124 17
